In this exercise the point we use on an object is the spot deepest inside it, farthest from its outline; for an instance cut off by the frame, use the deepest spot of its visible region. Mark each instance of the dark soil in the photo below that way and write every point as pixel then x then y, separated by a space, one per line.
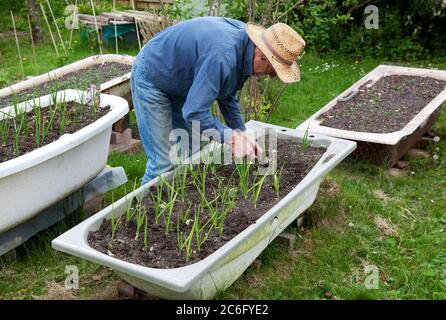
pixel 27 138
pixel 162 250
pixel 80 80
pixel 387 106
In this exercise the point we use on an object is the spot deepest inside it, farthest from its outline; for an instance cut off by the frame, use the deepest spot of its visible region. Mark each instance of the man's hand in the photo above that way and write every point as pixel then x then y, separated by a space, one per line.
pixel 244 147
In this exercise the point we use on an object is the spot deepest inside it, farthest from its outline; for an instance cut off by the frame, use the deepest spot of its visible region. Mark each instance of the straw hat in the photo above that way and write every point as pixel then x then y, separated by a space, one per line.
pixel 281 45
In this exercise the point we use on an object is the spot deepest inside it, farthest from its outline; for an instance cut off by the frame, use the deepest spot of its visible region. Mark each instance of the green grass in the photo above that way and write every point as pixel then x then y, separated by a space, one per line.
pixel 340 236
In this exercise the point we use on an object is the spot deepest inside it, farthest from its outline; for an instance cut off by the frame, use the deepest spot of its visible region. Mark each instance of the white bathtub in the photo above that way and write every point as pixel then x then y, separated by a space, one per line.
pixel 215 273
pixel 35 181
pixel 119 86
pixel 391 138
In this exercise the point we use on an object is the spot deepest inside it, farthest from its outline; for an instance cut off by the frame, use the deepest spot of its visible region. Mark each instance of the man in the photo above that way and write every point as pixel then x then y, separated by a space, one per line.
pixel 181 71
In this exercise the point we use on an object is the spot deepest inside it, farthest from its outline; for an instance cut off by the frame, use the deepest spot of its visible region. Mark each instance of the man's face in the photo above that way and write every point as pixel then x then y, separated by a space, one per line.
pixel 262 65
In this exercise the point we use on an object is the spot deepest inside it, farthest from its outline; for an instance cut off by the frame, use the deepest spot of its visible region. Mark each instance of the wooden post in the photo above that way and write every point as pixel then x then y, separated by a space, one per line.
pixel 97 29
pixel 49 28
pixel 57 27
pixel 137 33
pixel 32 40
pixel 72 25
pixel 33 10
pixel 18 47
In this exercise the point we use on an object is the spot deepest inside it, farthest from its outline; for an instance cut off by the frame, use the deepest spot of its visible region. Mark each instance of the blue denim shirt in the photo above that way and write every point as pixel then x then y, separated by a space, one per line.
pixel 199 61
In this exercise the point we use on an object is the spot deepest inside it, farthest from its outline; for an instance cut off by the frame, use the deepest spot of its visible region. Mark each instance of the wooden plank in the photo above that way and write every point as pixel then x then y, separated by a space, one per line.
pixel 120 22
pixel 90 18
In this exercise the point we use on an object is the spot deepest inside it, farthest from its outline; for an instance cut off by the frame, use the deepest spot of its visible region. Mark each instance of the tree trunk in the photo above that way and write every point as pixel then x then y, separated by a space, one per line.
pixel 33 10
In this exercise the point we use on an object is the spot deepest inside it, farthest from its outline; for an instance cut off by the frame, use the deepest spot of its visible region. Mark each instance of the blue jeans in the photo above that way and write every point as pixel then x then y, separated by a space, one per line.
pixel 156 116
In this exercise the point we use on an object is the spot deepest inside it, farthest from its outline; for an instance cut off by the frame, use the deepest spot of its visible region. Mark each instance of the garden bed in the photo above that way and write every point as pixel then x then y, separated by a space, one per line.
pixel 110 72
pixel 42 126
pixel 161 250
pixel 386 106
pixel 385 112
pixel 80 79
pixel 204 277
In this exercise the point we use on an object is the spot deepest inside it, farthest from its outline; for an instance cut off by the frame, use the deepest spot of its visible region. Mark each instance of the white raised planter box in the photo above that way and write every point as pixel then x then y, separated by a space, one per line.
pixel 40 178
pixel 383 148
pixel 215 273
pixel 119 86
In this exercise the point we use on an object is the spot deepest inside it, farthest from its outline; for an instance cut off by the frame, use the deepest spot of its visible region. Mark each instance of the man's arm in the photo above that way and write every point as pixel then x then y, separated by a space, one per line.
pixel 231 110
pixel 208 80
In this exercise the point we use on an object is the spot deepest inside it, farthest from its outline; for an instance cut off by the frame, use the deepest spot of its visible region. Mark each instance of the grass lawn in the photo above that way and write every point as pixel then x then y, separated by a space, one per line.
pixel 361 218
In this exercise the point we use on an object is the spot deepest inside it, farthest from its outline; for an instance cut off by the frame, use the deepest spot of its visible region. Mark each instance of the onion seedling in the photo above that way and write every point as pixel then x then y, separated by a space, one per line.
pixel 276 180
pixel 228 205
pixel 130 207
pixel 257 187
pixel 200 235
pixel 157 199
pixel 38 122
pixel 182 179
pixel 184 215
pixel 169 216
pixel 114 222
pixel 64 118
pixel 243 172
pixel 305 141
pixel 186 244
pixel 146 233
pixel 21 117
pixel 5 127
pixel 140 218
pixel 199 177
pixel 52 115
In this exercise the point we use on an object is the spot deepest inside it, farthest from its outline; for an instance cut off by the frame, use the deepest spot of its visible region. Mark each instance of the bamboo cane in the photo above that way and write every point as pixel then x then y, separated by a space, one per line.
pixel 274 105
pixel 137 33
pixel 116 37
pixel 18 47
pixel 72 25
pixel 49 28
pixel 97 29
pixel 32 39
pixel 57 27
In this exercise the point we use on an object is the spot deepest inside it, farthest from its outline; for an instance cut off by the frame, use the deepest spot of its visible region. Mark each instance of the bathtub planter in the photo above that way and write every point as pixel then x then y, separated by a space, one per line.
pixel 383 148
pixel 215 273
pixel 119 86
pixel 40 178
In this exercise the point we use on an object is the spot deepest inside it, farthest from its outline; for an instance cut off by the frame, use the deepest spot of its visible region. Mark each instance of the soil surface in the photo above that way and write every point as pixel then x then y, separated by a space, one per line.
pixel 80 80
pixel 162 251
pixel 27 141
pixel 387 106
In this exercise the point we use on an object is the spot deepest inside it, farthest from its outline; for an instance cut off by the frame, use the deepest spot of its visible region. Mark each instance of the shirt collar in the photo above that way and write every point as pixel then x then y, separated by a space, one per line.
pixel 249 59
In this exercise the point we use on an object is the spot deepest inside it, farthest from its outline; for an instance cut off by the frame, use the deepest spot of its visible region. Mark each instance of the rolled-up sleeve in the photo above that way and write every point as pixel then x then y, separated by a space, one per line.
pixel 212 72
